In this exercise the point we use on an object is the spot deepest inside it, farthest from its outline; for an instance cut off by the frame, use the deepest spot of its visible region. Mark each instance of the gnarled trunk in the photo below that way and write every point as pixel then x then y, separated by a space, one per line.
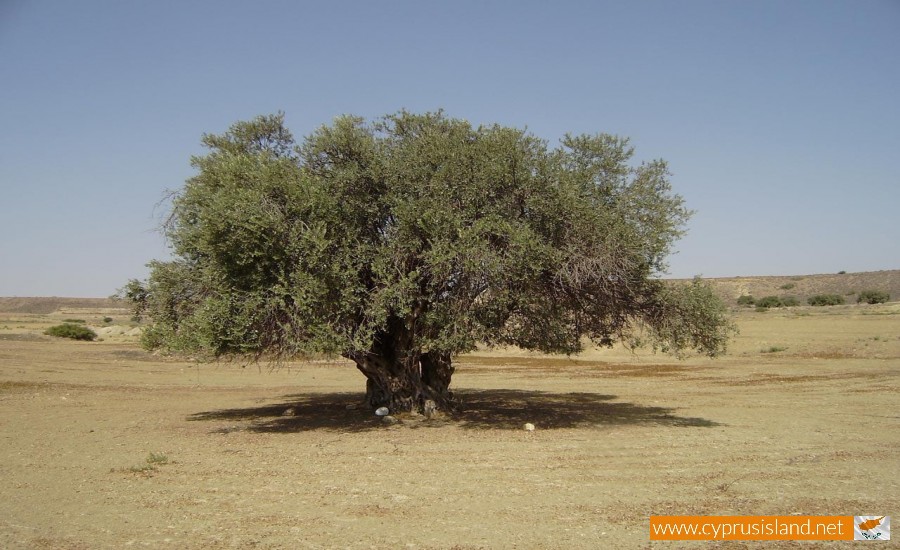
pixel 420 382
pixel 402 378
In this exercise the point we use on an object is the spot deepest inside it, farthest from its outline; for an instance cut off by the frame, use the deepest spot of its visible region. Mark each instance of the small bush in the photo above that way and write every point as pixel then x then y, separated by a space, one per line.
pixel 149 466
pixel 746 301
pixel 79 321
pixel 157 458
pixel 107 320
pixel 842 272
pixel 873 297
pixel 73 331
pixel 769 301
pixel 790 301
pixel 826 300
pixel 787 286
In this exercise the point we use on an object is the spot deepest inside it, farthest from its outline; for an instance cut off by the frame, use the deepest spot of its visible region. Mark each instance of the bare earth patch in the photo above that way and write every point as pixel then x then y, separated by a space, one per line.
pixel 106 446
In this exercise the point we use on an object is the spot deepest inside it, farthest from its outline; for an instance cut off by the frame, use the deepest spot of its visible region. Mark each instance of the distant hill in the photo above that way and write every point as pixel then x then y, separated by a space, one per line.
pixel 730 289
pixel 802 287
pixel 54 304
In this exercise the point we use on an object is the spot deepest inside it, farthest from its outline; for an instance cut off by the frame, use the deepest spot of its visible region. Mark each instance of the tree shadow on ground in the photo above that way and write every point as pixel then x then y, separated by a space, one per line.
pixel 479 409
pixel 511 409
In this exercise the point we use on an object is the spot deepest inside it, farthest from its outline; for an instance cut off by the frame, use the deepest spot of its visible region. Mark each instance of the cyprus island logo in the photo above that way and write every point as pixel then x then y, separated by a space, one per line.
pixel 871 527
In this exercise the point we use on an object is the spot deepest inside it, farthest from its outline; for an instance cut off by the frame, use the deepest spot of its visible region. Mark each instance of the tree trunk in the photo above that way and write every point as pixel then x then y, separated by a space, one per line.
pixel 404 379
pixel 437 370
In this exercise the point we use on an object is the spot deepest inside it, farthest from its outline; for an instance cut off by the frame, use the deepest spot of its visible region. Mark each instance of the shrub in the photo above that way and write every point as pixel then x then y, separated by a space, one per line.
pixel 73 331
pixel 769 301
pixel 826 300
pixel 149 466
pixel 79 321
pixel 157 458
pixel 787 286
pixel 873 297
pixel 790 301
pixel 746 301
pixel 107 320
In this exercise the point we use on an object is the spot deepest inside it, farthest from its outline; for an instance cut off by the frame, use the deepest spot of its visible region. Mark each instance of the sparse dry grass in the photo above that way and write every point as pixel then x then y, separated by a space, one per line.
pixel 619 436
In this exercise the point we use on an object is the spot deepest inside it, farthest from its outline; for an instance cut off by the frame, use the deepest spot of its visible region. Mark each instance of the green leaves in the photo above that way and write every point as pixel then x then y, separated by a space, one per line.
pixel 689 316
pixel 459 234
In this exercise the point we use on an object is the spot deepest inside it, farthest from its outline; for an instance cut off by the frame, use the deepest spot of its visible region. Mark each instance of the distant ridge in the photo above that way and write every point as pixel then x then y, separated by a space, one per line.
pixel 47 305
pixel 802 287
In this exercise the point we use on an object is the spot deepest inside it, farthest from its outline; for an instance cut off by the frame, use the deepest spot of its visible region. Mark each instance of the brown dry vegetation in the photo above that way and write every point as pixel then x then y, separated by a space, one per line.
pixel 248 457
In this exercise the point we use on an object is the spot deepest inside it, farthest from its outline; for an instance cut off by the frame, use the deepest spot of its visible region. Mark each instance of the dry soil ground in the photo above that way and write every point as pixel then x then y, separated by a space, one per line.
pixel 105 446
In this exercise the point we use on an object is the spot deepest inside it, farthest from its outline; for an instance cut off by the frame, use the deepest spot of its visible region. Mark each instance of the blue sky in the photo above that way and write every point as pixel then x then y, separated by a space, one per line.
pixel 780 119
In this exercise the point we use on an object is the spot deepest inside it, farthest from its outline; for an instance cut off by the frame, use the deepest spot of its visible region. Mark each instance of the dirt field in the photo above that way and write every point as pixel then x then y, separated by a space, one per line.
pixel 106 446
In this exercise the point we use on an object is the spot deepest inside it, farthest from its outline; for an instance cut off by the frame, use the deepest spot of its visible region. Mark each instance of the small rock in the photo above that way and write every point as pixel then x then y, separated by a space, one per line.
pixel 388 419
pixel 382 411
pixel 352 407
pixel 289 412
pixel 529 427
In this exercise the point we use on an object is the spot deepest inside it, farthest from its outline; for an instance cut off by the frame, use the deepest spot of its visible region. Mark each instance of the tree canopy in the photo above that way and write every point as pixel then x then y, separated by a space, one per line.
pixel 401 242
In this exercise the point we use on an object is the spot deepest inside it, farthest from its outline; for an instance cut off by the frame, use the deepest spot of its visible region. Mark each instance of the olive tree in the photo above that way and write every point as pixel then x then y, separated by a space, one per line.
pixel 401 242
